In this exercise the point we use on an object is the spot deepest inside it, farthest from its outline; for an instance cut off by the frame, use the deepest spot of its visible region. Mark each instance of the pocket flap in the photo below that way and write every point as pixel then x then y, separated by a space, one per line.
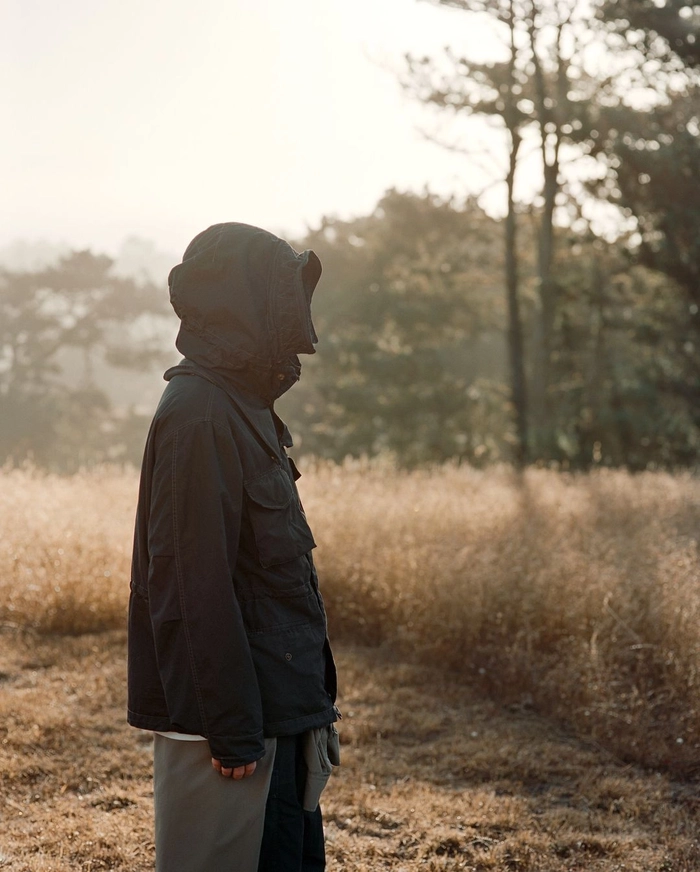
pixel 272 490
pixel 279 524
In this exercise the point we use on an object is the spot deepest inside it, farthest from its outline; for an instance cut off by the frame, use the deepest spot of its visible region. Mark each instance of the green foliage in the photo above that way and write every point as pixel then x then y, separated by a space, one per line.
pixel 412 352
pixel 652 159
pixel 411 357
pixel 653 173
pixel 619 352
pixel 612 373
pixel 668 30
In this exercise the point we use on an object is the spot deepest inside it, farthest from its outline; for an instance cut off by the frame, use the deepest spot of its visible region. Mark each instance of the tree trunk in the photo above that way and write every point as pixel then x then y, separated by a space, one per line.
pixel 516 350
pixel 515 332
pixel 550 137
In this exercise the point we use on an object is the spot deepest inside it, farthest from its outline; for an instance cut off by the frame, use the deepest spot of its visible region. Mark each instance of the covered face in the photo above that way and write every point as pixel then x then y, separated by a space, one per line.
pixel 243 297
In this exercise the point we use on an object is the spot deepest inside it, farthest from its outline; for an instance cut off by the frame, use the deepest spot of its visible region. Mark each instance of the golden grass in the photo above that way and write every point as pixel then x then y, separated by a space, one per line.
pixel 576 596
pixel 435 778
pixel 65 549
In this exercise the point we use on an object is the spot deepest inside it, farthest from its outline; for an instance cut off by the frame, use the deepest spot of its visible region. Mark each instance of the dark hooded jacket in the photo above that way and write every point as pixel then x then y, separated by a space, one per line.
pixel 227 629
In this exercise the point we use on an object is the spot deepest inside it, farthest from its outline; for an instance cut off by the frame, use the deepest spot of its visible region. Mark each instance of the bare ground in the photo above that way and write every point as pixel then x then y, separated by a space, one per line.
pixel 434 776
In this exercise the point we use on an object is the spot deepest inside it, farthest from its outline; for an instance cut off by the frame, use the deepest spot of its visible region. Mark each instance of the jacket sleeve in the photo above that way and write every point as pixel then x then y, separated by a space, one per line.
pixel 202 650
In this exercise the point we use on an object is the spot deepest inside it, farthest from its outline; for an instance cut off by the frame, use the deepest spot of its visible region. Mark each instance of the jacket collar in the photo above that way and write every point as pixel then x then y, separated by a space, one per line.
pixel 253 408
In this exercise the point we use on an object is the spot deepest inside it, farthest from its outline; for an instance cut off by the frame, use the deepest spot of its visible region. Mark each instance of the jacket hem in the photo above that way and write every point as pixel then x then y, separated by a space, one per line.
pixel 156 723
pixel 294 726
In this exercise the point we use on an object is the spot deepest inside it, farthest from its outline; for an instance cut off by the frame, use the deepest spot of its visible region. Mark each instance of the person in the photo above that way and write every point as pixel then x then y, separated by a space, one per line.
pixel 229 662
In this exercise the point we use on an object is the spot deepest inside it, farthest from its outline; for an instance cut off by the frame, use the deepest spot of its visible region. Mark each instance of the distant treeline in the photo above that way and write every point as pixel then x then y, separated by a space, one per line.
pixel 566 332
pixel 413 351
pixel 413 357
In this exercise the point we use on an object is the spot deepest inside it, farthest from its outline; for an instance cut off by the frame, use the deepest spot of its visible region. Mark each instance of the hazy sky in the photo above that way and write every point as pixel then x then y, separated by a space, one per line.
pixel 160 117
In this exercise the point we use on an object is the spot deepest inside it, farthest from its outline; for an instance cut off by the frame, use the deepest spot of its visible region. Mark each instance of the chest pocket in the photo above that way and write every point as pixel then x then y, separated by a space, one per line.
pixel 279 526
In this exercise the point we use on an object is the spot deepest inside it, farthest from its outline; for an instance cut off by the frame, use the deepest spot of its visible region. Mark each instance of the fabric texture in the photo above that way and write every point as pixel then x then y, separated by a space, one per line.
pixel 227 627
pixel 321 754
pixel 182 737
pixel 293 838
pixel 243 297
pixel 203 821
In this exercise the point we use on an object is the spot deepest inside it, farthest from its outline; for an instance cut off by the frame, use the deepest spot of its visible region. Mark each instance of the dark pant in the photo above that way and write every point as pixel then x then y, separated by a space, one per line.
pixel 292 838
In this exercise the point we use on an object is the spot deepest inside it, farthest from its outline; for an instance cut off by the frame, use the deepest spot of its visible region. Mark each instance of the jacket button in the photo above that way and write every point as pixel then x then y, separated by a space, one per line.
pixel 287 656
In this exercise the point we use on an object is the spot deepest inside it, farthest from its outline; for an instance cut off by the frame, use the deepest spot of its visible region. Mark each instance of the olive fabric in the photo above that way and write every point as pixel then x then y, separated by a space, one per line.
pixel 227 628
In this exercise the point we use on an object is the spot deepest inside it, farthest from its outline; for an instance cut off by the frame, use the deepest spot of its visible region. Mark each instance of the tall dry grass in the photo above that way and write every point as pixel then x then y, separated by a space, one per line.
pixel 65 548
pixel 577 595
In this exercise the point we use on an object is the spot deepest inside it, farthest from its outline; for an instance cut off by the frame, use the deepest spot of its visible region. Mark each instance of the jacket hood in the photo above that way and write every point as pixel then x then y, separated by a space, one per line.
pixel 243 296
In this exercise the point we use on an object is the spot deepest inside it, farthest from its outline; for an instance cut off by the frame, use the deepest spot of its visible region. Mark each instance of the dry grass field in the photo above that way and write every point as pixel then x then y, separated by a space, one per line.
pixel 519 660
pixel 576 595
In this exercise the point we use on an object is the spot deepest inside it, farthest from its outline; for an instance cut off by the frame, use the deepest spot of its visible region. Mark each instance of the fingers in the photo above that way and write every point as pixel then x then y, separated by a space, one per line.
pixel 237 772
pixel 226 771
pixel 243 771
pixel 222 770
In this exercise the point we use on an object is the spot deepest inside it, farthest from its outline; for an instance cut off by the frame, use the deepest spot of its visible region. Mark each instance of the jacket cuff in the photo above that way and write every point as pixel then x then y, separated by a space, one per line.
pixel 237 750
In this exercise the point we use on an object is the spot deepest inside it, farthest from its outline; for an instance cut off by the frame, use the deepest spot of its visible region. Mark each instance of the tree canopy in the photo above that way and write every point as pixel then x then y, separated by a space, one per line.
pixel 565 331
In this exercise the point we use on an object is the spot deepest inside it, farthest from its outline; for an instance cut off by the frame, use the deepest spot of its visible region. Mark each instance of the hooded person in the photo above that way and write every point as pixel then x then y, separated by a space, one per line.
pixel 229 660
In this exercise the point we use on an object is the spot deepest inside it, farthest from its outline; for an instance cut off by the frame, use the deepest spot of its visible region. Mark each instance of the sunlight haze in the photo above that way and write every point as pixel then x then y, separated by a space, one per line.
pixel 158 118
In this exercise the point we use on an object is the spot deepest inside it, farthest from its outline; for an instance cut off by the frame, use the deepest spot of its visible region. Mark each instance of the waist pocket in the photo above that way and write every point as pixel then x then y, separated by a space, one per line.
pixel 279 524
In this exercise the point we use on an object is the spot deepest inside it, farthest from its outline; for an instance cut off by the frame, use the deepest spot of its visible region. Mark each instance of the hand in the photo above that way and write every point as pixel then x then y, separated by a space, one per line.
pixel 236 773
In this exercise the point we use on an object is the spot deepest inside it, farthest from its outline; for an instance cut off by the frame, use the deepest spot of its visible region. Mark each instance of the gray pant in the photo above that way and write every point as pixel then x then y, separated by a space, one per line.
pixel 205 822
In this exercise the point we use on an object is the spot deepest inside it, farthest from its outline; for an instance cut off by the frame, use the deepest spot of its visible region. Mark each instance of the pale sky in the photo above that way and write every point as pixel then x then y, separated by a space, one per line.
pixel 160 117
